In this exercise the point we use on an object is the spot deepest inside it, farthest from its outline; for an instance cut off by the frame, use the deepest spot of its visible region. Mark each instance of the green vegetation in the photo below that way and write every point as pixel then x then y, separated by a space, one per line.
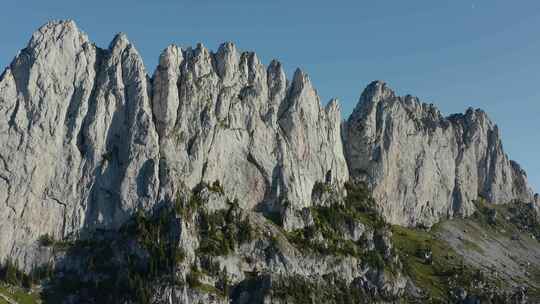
pixel 17 285
pixel 444 271
pixel 156 236
pixel 193 279
pixel 362 205
pixel 525 218
pixel 298 290
pixel 46 240
pixel 18 294
pixel 508 218
pixel 12 275
pixel 187 208
pixel 146 249
pixel 489 216
pixel 222 230
pixel 321 187
pixel 374 259
pixel 216 187
pixel 329 222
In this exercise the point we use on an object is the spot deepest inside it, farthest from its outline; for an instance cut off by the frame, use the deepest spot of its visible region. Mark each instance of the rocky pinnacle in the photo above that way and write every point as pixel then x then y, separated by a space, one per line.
pixel 88 138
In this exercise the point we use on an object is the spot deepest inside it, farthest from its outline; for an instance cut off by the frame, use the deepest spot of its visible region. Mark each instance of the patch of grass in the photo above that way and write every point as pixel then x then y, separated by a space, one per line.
pixel 193 279
pixel 445 271
pixel 19 295
pixel 408 243
pixel 472 246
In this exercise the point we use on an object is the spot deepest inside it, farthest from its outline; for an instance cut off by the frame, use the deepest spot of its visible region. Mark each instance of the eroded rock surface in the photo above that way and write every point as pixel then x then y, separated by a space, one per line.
pixel 423 166
pixel 88 139
pixel 226 117
pixel 79 147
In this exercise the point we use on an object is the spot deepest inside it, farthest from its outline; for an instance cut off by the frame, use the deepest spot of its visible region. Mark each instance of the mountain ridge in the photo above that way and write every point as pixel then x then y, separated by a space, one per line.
pixel 93 143
pixel 291 104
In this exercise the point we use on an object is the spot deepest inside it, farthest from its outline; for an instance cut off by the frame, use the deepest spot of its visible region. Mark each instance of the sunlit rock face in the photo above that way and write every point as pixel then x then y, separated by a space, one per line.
pixel 79 148
pixel 226 117
pixel 88 137
pixel 422 166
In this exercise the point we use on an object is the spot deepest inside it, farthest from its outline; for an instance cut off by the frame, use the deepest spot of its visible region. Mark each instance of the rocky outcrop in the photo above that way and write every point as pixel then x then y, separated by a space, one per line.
pixel 79 148
pixel 217 179
pixel 88 137
pixel 226 117
pixel 422 166
pixel 224 254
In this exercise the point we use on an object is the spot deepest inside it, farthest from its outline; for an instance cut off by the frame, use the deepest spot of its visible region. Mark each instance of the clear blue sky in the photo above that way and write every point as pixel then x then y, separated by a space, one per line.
pixel 459 53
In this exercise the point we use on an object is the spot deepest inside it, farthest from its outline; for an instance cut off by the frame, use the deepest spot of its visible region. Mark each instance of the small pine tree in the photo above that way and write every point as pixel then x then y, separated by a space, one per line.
pixel 11 273
pixel 27 281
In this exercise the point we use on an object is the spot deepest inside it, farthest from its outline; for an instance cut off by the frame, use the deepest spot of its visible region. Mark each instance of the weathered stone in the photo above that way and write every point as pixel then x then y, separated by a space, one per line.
pixel 422 166
pixel 80 150
pixel 88 138
pixel 238 123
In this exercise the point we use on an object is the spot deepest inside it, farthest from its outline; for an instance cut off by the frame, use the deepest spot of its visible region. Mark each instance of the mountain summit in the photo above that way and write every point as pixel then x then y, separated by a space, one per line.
pixel 91 145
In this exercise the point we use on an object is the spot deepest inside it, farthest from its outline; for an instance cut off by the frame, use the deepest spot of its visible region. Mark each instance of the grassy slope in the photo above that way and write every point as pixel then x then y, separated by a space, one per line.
pixel 467 251
pixel 18 295
pixel 446 270
pixel 501 249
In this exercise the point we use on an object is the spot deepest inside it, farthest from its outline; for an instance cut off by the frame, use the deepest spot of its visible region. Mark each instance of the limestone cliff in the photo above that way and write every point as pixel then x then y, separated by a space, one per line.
pixel 218 180
pixel 79 147
pixel 423 166
pixel 88 137
pixel 226 117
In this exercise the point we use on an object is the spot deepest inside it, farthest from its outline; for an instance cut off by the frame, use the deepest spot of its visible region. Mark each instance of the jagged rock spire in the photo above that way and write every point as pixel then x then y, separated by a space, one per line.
pixel 88 138
pixel 80 149
pixel 423 166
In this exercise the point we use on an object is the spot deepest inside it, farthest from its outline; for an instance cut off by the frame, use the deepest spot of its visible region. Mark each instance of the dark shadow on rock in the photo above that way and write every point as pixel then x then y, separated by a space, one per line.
pixel 115 266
